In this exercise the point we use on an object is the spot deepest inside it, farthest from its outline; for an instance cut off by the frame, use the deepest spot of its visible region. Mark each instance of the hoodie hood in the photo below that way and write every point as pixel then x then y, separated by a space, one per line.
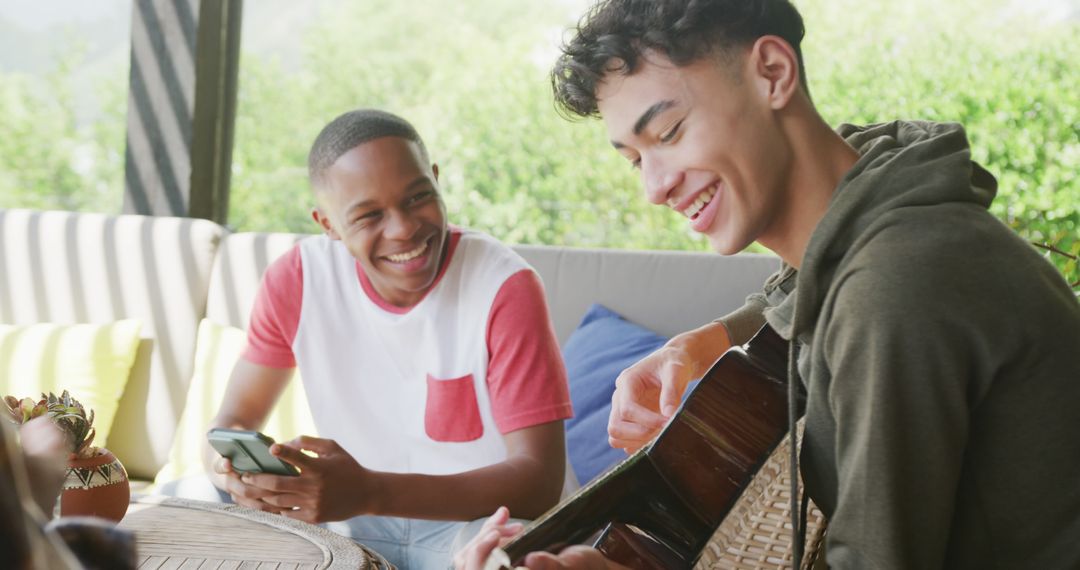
pixel 902 164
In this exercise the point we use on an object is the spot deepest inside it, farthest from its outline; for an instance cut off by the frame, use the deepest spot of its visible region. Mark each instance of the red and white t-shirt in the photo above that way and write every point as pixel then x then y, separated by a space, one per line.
pixel 425 389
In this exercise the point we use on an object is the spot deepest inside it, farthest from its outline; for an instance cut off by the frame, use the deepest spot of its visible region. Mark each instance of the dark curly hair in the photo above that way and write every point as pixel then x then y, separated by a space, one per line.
pixel 614 34
pixel 351 129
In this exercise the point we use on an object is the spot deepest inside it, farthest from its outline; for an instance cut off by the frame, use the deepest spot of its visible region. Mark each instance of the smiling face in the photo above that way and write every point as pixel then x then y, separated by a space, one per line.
pixel 706 142
pixel 381 199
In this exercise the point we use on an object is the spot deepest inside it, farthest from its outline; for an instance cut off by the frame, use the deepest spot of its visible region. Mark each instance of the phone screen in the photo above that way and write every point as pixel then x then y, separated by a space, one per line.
pixel 249 451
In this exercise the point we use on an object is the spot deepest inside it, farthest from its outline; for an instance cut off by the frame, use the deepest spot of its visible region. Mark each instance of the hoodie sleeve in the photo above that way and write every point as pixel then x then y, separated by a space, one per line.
pixel 904 345
pixel 742 323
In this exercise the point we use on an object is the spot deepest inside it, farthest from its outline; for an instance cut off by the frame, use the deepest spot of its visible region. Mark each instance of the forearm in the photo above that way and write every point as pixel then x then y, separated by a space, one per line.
pixel 523 484
pixel 703 345
pixel 333 486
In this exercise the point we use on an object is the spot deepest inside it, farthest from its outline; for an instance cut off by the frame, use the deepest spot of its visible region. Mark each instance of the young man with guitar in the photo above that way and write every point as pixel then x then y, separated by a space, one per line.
pixel 937 349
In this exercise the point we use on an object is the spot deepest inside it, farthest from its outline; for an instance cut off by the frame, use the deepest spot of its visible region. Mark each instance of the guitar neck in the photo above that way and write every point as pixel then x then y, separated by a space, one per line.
pixel 634 494
pixel 664 502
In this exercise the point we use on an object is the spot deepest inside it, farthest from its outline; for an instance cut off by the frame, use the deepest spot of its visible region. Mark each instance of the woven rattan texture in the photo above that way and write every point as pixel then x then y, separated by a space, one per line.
pixel 757 532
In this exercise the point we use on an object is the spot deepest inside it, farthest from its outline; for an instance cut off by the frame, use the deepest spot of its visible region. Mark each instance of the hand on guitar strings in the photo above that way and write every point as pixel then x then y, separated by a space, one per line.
pixel 495 532
pixel 646 396
pixel 478 553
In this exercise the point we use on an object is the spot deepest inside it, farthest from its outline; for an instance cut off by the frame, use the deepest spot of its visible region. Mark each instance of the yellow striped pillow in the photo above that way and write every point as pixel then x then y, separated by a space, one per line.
pixel 91 361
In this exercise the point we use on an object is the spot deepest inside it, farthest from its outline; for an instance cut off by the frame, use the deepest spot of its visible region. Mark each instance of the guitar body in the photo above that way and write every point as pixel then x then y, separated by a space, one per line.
pixel 660 506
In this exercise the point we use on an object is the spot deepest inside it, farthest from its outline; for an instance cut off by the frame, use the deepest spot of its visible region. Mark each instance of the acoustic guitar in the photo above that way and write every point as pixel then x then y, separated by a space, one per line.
pixel 660 506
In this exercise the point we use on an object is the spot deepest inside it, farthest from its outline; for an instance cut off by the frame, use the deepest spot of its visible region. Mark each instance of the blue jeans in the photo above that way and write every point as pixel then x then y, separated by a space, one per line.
pixel 406 543
pixel 409 543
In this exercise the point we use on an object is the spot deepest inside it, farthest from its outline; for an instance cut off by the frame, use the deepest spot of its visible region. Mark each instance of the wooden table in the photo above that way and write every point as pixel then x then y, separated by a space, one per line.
pixel 176 533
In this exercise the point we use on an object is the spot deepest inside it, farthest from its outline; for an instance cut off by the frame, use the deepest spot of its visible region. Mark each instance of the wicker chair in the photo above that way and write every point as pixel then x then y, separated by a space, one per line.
pixel 757 532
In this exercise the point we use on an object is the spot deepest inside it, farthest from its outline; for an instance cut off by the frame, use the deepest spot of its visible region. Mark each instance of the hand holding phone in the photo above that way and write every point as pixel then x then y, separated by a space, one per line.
pixel 249 451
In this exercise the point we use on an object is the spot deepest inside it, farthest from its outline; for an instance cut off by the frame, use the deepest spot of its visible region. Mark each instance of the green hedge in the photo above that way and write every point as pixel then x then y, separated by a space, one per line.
pixel 472 75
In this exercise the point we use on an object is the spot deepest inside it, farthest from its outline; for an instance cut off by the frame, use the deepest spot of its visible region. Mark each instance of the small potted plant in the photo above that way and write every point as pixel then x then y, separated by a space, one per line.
pixel 96 483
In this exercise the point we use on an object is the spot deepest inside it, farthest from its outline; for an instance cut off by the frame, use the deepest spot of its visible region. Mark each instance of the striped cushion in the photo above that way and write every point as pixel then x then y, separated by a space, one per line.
pixel 238 269
pixel 91 361
pixel 66 267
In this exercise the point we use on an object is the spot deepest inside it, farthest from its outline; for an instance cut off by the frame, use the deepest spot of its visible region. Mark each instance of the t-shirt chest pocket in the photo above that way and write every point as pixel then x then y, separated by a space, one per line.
pixel 451 413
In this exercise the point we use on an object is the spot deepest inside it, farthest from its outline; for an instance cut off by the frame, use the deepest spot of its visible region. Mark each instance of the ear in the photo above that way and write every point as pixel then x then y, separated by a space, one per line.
pixel 435 170
pixel 776 69
pixel 321 218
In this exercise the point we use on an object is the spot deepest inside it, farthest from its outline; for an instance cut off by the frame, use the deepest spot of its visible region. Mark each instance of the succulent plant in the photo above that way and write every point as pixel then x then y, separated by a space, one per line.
pixel 65 412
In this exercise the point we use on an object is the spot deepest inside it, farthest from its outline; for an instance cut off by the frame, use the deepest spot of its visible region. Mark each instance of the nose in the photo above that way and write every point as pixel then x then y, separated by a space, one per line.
pixel 400 225
pixel 659 180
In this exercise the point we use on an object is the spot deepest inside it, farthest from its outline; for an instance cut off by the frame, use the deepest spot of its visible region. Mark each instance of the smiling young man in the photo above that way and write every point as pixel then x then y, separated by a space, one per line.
pixel 938 349
pixel 426 352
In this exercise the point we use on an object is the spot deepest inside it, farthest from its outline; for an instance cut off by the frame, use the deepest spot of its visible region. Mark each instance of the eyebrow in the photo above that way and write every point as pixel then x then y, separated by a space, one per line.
pixel 419 181
pixel 647 117
pixel 359 206
pixel 651 113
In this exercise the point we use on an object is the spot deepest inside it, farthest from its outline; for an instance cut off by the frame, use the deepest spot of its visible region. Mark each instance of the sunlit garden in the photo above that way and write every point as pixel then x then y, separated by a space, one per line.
pixel 472 75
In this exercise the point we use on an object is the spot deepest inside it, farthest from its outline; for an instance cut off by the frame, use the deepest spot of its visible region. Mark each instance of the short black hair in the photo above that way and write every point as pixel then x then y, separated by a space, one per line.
pixel 350 130
pixel 614 34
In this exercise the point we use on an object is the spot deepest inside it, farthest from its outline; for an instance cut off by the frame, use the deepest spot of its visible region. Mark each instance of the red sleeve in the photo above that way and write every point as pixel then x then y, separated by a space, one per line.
pixel 276 313
pixel 526 376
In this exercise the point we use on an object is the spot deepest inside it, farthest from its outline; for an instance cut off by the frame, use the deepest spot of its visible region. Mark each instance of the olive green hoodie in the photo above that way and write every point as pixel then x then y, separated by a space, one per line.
pixel 941 357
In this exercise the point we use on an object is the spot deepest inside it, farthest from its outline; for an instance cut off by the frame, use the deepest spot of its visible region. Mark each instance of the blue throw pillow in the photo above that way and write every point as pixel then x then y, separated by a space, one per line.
pixel 601 347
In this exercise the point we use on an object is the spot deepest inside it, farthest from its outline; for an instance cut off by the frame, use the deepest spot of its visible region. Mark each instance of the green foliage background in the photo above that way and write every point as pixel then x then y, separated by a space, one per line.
pixel 472 75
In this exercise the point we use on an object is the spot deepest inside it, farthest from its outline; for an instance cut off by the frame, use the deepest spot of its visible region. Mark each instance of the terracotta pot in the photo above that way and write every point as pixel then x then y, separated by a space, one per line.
pixel 96 486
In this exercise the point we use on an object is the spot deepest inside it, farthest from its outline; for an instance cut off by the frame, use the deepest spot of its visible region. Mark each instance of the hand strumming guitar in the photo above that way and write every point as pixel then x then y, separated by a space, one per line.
pixel 496 532
pixel 648 393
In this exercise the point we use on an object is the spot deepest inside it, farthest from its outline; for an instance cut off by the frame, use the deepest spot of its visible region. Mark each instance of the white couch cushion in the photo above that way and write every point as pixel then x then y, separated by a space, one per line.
pixel 665 291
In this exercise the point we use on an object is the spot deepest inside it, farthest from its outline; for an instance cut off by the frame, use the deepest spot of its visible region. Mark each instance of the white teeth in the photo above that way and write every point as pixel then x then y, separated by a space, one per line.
pixel 702 200
pixel 403 257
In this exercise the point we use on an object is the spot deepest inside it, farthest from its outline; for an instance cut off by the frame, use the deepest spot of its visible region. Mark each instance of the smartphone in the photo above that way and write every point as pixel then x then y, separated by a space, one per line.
pixel 249 451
